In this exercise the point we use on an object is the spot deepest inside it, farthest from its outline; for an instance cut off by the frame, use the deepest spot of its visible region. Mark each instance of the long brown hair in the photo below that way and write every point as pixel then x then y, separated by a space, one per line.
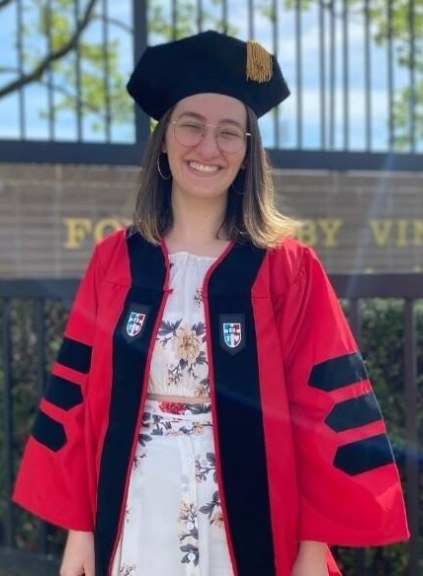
pixel 251 214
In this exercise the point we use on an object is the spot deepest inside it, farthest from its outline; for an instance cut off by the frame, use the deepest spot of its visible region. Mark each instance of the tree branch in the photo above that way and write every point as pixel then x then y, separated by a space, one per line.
pixel 45 63
pixel 115 22
pixel 70 95
pixel 4 3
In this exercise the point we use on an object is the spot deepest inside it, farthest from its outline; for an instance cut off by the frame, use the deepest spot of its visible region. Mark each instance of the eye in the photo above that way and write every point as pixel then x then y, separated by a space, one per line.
pixel 231 133
pixel 191 126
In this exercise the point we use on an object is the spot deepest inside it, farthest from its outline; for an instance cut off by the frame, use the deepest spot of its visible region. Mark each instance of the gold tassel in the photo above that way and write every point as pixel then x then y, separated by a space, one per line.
pixel 259 63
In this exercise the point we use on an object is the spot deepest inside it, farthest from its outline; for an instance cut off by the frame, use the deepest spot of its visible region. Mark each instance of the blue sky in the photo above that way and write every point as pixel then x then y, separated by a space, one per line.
pixel 35 96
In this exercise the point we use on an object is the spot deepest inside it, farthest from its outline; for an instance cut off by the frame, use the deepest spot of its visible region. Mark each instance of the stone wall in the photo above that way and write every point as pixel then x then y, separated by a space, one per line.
pixel 51 215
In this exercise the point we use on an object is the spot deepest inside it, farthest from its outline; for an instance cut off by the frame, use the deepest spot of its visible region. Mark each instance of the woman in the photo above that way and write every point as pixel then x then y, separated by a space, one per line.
pixel 209 412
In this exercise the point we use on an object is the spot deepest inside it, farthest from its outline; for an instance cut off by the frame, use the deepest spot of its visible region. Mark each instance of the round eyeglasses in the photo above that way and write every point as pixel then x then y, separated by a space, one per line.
pixel 190 133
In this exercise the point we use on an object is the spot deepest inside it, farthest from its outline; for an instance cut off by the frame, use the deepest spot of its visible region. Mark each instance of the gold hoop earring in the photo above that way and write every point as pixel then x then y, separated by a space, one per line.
pixel 163 177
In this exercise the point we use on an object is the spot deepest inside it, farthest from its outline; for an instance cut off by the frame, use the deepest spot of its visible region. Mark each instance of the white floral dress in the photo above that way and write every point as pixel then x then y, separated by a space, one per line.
pixel 173 523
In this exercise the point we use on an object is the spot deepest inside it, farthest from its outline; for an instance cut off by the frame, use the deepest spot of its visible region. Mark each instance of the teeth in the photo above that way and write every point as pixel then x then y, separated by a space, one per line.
pixel 203 167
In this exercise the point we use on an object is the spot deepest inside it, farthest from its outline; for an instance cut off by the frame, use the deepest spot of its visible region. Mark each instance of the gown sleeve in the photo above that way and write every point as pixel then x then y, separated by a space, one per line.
pixel 52 478
pixel 350 491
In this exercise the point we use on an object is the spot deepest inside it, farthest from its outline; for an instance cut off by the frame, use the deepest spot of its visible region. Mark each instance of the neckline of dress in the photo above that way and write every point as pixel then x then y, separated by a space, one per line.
pixel 191 254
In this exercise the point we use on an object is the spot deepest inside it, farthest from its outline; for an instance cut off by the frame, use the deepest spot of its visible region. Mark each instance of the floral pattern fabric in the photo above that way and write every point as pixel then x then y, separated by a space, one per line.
pixel 179 361
pixel 173 521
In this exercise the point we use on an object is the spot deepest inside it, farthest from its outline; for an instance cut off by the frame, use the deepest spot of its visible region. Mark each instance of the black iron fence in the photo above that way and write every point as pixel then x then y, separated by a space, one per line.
pixel 32 315
pixel 355 68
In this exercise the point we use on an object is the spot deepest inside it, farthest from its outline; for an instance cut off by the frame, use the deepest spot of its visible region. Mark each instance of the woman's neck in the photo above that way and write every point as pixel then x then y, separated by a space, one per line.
pixel 197 228
pixel 195 242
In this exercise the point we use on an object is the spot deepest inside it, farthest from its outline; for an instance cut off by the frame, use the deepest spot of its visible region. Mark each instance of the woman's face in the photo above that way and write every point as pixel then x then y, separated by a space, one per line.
pixel 206 144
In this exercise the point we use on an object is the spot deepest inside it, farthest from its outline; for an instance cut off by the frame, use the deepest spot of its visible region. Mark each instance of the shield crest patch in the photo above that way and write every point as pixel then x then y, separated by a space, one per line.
pixel 134 323
pixel 232 332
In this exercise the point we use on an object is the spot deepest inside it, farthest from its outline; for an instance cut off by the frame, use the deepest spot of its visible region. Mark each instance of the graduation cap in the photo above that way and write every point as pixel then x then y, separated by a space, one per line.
pixel 207 62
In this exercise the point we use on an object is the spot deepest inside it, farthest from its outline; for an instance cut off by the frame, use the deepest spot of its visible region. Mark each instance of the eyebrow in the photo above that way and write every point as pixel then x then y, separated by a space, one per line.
pixel 204 119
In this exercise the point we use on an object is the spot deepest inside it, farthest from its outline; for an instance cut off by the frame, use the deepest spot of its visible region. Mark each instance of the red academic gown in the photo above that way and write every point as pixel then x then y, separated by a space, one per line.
pixel 311 460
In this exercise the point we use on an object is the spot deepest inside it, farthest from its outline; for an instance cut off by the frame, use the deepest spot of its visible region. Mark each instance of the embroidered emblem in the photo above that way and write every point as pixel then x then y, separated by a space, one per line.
pixel 135 323
pixel 232 332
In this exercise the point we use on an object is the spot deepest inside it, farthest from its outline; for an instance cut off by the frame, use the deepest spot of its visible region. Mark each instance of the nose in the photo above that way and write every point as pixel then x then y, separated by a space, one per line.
pixel 208 144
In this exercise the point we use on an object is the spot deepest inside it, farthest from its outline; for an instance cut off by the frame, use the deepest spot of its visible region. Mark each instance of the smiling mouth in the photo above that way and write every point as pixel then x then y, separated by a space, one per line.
pixel 203 168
